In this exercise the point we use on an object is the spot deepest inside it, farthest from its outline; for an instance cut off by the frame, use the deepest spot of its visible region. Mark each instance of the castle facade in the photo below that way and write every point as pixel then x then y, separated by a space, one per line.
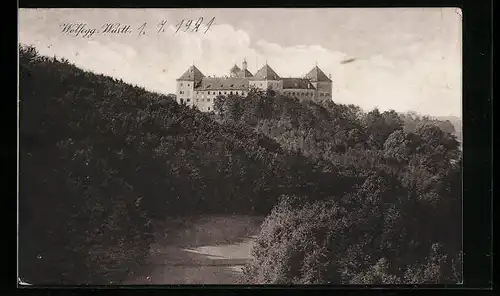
pixel 195 89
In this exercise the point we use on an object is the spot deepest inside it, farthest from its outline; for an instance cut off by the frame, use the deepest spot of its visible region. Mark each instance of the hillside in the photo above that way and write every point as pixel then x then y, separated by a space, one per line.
pixel 102 160
pixel 450 124
pixel 455 121
pixel 401 224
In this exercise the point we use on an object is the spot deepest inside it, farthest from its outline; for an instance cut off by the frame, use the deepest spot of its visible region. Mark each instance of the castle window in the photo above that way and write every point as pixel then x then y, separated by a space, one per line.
pixel 231 93
pixel 208 92
pixel 182 100
pixel 320 94
pixel 188 84
pixel 188 100
pixel 293 93
pixel 219 93
pixel 208 108
pixel 181 84
pixel 225 92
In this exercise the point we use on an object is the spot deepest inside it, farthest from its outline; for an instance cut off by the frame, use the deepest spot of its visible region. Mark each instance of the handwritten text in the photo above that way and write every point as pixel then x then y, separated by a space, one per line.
pixel 83 30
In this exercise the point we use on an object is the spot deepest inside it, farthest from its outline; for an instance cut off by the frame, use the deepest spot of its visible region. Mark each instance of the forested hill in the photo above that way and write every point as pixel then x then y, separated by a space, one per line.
pixel 402 224
pixel 100 160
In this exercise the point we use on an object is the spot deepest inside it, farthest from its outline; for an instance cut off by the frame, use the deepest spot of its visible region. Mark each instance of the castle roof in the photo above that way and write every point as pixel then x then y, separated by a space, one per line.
pixel 297 83
pixel 244 73
pixel 266 73
pixel 235 69
pixel 218 83
pixel 192 74
pixel 317 75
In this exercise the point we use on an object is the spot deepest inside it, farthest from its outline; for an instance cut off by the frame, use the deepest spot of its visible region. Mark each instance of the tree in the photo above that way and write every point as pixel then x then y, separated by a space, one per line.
pixel 380 126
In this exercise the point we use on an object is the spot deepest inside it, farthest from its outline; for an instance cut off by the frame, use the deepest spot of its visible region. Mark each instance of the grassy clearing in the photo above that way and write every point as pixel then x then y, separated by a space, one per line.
pixel 207 230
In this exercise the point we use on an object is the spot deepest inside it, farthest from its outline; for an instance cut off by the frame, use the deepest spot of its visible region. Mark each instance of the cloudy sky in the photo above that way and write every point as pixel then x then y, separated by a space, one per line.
pixel 405 59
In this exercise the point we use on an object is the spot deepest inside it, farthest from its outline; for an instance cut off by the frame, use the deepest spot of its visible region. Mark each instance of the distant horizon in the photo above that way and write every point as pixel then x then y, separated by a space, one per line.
pixel 400 59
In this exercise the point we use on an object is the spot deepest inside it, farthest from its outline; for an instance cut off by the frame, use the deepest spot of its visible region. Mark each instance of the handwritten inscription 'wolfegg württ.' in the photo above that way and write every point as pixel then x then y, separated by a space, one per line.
pixel 85 31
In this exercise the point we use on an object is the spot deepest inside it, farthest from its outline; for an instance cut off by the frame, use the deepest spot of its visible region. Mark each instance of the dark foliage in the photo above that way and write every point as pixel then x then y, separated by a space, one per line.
pixel 365 200
pixel 101 159
pixel 402 224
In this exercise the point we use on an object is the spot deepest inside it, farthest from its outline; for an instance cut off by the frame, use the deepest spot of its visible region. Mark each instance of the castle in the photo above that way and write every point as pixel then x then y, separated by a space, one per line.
pixel 195 89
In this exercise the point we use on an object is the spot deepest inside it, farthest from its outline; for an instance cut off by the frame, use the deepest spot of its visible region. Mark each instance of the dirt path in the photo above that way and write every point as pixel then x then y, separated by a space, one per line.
pixel 203 250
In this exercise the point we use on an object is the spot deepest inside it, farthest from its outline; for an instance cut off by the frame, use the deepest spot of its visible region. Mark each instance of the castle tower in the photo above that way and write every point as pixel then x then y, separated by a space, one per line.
pixel 235 70
pixel 266 78
pixel 186 84
pixel 244 64
pixel 321 82
pixel 244 73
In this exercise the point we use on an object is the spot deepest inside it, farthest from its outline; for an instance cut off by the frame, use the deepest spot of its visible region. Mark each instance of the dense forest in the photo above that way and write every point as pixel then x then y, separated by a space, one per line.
pixel 350 197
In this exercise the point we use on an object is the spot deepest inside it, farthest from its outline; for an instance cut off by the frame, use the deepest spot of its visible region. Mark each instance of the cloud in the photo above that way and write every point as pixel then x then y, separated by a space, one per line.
pixel 427 78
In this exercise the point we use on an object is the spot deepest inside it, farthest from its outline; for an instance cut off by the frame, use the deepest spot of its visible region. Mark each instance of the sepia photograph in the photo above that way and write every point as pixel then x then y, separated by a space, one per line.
pixel 240 146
